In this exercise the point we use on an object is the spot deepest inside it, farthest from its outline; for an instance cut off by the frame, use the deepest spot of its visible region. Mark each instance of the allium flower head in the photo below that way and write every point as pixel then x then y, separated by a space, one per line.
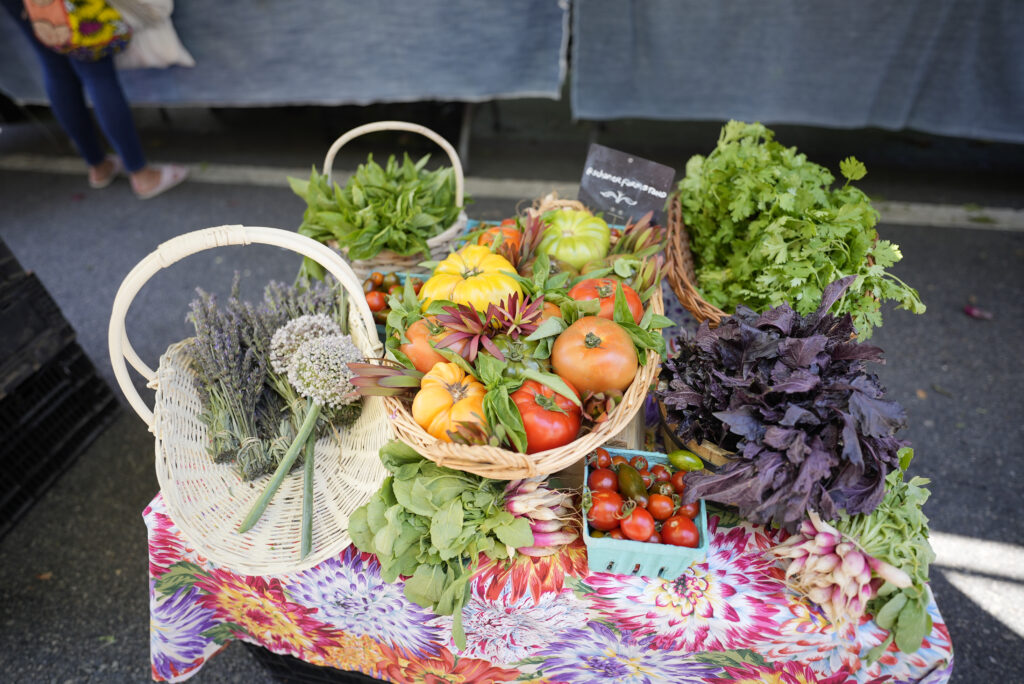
pixel 289 337
pixel 319 370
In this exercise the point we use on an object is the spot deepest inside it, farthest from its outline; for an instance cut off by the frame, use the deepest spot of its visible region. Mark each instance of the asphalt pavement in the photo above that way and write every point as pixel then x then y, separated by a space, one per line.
pixel 73 596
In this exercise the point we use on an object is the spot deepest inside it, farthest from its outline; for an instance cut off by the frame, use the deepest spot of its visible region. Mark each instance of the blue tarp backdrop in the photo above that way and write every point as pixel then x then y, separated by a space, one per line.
pixel 951 67
pixel 329 52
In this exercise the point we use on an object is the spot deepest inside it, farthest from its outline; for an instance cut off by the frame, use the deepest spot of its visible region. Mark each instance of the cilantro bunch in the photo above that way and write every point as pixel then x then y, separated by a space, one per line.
pixel 768 228
pixel 397 207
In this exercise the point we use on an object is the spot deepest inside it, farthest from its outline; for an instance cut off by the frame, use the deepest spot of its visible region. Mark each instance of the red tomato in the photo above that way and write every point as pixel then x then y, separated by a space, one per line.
pixel 660 506
pixel 377 300
pixel 377 278
pixel 550 419
pixel 655 538
pixel 690 510
pixel 395 288
pixel 638 462
pixel 616 533
pixel 663 488
pixel 616 460
pixel 605 508
pixel 645 475
pixel 603 289
pixel 680 531
pixel 638 526
pixel 677 482
pixel 603 478
pixel 602 458
pixel 660 473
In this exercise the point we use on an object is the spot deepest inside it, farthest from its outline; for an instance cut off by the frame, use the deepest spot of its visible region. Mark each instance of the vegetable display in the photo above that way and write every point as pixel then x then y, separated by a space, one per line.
pixel 790 395
pixel 396 207
pixel 542 354
pixel 768 228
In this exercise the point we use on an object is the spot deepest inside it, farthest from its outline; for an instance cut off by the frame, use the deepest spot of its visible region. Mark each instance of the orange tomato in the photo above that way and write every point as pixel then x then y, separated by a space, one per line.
pixel 595 354
pixel 603 289
pixel 446 398
pixel 511 237
pixel 423 335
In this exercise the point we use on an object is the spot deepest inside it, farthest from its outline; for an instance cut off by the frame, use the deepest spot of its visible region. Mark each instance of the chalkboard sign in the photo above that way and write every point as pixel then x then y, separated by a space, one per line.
pixel 624 186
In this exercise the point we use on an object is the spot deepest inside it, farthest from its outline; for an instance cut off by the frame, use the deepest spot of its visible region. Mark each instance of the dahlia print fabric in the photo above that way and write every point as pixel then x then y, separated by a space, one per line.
pixel 727 619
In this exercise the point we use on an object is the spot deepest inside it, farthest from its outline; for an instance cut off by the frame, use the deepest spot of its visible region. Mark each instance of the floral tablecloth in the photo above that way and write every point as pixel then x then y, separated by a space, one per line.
pixel 729 619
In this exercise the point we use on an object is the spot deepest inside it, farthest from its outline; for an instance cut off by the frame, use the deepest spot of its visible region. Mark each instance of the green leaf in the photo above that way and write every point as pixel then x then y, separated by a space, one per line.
pixel 906 455
pixel 445 528
pixel 658 321
pixel 878 651
pixel 912 626
pixel 852 169
pixel 554 382
pixel 516 534
pixel 551 327
pixel 224 632
pixel 738 657
pixel 426 585
pixel 181 575
pixel 886 617
pixel 504 418
pixel 359 530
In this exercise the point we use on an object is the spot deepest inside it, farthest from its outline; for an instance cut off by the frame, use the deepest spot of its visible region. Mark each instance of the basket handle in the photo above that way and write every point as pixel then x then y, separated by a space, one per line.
pixel 376 126
pixel 182 246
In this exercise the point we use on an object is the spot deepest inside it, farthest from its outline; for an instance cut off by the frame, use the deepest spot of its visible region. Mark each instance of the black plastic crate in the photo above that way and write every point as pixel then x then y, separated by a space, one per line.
pixel 10 269
pixel 32 331
pixel 74 407
pixel 286 668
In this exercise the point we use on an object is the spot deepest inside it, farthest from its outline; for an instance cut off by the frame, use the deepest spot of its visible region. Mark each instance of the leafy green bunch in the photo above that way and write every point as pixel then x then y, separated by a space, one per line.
pixel 897 533
pixel 767 228
pixel 430 524
pixel 397 207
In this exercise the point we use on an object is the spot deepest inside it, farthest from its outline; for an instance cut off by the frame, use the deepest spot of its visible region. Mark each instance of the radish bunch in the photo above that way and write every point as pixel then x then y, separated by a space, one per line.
pixel 833 571
pixel 551 513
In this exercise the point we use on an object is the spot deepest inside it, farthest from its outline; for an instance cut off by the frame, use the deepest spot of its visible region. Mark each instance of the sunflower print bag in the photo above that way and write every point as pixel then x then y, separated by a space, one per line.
pixel 83 29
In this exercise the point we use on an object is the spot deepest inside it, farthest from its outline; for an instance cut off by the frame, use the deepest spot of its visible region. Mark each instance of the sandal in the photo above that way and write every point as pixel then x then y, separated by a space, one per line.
pixel 99 184
pixel 170 176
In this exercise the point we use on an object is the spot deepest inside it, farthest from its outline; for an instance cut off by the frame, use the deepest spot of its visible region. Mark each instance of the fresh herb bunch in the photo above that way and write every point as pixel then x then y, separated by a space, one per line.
pixel 810 426
pixel 248 408
pixel 897 532
pixel 767 227
pixel 431 524
pixel 397 207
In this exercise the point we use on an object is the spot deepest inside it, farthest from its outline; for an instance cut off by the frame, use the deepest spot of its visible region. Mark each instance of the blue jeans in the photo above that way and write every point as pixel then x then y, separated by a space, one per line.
pixel 65 78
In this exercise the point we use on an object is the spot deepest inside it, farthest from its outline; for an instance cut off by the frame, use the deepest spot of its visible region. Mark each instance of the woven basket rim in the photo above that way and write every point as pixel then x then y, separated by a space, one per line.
pixel 681 274
pixel 504 464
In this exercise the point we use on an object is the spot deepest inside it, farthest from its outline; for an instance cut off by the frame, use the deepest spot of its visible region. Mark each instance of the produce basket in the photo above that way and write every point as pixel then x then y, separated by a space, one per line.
pixel 504 464
pixel 208 500
pixel 386 260
pixel 681 276
pixel 712 454
pixel 627 557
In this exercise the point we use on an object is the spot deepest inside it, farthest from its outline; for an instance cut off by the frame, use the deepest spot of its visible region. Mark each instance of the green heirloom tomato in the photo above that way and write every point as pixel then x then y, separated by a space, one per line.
pixel 519 355
pixel 574 237
pixel 685 460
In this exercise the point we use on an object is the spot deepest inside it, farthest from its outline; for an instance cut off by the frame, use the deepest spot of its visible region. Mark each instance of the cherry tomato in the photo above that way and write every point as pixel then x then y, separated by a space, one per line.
pixel 660 507
pixel 377 301
pixel 416 285
pixel 655 538
pixel 663 488
pixel 616 534
pixel 389 281
pixel 660 473
pixel 641 500
pixel 377 278
pixel 678 484
pixel 395 288
pixel 597 534
pixel 603 479
pixel 690 510
pixel 604 510
pixel 638 462
pixel 638 526
pixel 685 460
pixel 616 459
pixel 646 476
pixel 602 458
pixel 680 531
pixel 368 286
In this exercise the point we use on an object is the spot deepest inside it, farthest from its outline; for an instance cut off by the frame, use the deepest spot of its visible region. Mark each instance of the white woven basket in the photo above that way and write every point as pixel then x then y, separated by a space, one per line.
pixel 209 500
pixel 388 261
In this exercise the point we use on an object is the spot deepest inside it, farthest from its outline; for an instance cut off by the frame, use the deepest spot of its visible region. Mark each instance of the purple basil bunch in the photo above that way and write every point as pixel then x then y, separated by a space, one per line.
pixel 790 395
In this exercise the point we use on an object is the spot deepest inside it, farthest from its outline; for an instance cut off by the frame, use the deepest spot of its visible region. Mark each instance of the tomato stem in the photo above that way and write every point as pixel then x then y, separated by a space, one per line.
pixel 547 403
pixel 592 340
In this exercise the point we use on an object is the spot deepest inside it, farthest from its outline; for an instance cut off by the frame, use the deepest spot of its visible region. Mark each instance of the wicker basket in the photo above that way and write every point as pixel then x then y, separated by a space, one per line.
pixel 681 276
pixel 387 261
pixel 208 500
pixel 503 464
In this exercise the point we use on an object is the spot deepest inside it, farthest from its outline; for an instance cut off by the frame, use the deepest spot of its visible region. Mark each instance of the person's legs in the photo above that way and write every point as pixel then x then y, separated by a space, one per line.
pixel 112 110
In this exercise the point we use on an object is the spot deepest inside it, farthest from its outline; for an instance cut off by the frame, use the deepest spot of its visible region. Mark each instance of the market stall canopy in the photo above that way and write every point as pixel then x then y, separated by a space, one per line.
pixel 333 52
pixel 951 67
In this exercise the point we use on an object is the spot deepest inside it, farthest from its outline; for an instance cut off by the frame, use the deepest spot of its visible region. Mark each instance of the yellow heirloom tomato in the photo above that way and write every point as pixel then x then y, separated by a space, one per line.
pixel 447 397
pixel 472 276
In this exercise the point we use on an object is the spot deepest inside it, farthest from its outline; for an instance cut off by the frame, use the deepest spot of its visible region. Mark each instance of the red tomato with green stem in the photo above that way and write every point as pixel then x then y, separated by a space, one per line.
pixel 550 419
pixel 660 473
pixel 690 510
pixel 678 482
pixel 603 478
pixel 605 510
pixel 377 300
pixel 638 462
pixel 661 507
pixel 603 289
pixel 638 525
pixel 601 458
pixel 680 531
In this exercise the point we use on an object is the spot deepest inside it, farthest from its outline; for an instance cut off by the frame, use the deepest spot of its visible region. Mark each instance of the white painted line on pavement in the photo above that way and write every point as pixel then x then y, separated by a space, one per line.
pixel 897 213
pixel 999 589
